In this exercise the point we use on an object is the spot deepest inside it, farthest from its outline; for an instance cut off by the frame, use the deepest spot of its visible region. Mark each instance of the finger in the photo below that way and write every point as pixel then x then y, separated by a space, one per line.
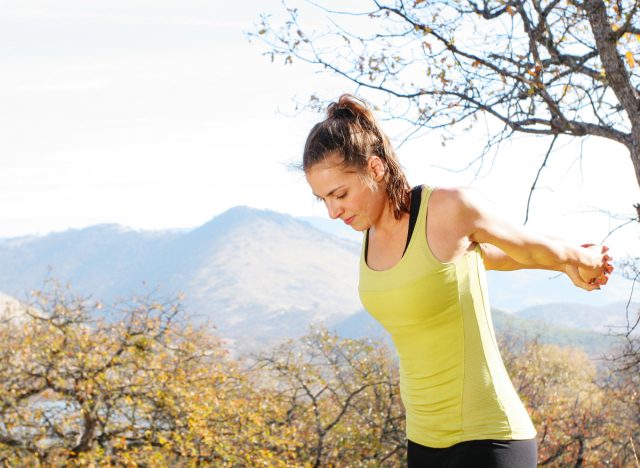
pixel 576 279
pixel 594 283
pixel 579 282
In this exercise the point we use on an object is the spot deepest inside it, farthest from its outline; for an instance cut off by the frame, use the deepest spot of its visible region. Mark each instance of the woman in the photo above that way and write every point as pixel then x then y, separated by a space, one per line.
pixel 422 275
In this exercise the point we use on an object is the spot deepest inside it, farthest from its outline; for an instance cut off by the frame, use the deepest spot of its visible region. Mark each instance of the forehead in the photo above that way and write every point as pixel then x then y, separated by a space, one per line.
pixel 325 176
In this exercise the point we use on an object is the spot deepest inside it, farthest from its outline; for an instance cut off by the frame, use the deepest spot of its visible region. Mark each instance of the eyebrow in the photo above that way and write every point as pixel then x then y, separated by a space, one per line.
pixel 330 193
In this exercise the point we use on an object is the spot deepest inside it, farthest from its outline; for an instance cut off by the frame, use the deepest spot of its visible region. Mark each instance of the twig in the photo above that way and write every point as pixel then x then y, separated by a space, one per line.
pixel 533 187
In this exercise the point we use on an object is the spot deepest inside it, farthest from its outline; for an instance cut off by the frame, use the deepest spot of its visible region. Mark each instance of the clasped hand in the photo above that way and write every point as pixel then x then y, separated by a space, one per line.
pixel 595 276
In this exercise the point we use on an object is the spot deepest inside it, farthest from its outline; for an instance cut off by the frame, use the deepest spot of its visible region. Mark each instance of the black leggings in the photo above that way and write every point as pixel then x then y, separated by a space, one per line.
pixel 476 454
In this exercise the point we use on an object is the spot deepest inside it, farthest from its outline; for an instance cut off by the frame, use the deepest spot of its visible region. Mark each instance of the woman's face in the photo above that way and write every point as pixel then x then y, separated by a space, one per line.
pixel 346 193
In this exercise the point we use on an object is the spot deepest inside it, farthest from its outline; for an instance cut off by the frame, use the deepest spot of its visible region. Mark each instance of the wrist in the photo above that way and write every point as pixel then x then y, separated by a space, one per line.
pixel 565 267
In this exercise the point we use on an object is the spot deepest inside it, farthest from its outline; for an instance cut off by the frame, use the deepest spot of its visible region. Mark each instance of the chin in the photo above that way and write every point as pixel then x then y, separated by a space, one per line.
pixel 358 228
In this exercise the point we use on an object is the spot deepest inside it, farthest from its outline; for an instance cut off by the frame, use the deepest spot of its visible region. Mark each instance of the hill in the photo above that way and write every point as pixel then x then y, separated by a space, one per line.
pixel 258 276
pixel 596 344
pixel 254 274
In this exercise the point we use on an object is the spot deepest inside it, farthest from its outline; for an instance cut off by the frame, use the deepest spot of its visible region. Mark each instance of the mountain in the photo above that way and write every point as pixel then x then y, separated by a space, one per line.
pixel 254 274
pixel 259 273
pixel 595 343
pixel 512 291
pixel 333 227
pixel 95 260
pixel 258 276
pixel 609 319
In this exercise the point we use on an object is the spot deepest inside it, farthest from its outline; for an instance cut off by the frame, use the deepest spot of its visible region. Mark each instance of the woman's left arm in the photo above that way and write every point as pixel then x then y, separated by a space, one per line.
pixel 506 246
pixel 495 259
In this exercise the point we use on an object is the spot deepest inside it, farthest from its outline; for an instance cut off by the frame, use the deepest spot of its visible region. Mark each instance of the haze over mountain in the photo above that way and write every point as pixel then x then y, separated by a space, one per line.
pixel 249 272
pixel 256 275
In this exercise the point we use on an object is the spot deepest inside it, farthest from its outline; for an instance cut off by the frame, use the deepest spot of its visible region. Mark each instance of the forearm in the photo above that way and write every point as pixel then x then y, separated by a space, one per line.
pixel 557 254
pixel 496 259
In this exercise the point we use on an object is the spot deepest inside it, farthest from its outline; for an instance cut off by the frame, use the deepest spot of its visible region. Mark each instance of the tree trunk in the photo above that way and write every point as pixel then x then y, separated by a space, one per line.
pixel 634 153
pixel 580 458
pixel 90 423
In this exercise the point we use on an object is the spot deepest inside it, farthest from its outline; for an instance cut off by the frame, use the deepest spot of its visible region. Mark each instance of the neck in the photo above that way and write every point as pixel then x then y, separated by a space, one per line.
pixel 387 223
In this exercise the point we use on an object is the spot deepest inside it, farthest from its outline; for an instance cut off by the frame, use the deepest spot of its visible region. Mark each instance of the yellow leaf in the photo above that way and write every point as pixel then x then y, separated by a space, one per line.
pixel 630 60
pixel 424 29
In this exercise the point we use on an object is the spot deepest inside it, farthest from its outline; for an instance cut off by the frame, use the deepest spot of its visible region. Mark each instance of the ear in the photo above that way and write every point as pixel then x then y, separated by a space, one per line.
pixel 377 168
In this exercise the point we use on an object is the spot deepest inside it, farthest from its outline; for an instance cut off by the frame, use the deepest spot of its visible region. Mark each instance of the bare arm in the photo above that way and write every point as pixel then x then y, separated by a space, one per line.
pixel 496 259
pixel 506 246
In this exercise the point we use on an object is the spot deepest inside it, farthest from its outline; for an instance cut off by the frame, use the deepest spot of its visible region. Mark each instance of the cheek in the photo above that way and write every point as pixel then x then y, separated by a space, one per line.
pixel 374 203
pixel 364 205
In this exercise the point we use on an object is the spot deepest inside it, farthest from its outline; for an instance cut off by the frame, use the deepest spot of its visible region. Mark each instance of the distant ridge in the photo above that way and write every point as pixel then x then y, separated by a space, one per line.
pixel 335 228
pixel 256 275
pixel 596 344
pixel 602 319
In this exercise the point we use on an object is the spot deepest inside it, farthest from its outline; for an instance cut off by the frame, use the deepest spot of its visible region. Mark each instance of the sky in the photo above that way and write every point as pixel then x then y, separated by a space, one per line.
pixel 163 114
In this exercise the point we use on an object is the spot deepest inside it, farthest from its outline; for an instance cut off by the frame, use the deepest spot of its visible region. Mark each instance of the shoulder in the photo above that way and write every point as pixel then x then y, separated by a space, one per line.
pixel 461 209
pixel 456 200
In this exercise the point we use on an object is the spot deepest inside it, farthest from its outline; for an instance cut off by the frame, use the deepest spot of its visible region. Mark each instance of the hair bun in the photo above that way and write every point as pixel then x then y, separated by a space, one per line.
pixel 342 113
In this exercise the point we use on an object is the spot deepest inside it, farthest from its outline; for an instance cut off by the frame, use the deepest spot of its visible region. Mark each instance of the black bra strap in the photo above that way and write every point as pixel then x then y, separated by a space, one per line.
pixel 414 208
pixel 413 212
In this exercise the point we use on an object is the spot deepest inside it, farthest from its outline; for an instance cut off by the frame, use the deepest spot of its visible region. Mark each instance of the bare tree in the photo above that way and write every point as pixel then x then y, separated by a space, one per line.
pixel 342 398
pixel 544 67
pixel 78 390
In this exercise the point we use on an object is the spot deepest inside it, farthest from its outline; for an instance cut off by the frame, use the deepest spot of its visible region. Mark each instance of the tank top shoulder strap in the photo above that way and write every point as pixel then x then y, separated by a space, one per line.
pixel 421 213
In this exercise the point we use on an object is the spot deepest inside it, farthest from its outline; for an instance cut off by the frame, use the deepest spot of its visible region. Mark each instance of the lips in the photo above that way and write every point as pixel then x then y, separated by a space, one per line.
pixel 348 221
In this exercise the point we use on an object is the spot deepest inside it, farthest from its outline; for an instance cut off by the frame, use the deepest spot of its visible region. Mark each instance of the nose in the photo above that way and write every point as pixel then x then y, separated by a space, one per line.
pixel 334 209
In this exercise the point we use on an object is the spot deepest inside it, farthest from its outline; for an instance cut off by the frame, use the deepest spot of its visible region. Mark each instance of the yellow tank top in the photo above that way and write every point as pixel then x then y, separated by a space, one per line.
pixel 453 383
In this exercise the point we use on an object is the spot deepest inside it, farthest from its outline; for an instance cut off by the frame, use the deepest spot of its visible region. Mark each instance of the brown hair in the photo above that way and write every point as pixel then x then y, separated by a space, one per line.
pixel 351 131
